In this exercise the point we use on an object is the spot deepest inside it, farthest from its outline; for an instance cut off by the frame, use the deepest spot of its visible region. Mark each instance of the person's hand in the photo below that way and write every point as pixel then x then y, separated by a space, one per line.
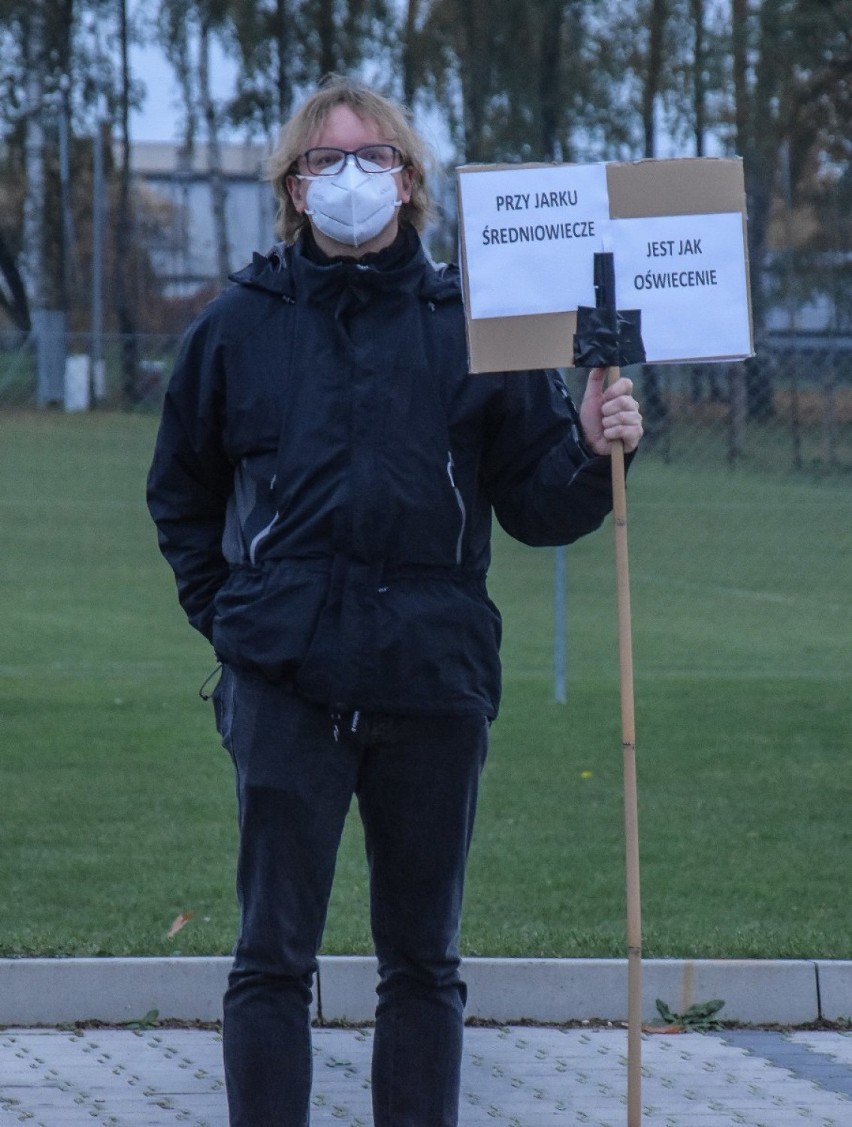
pixel 609 413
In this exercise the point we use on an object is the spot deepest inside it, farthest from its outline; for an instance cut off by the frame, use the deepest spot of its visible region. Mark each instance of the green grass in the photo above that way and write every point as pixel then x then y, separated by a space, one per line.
pixel 117 800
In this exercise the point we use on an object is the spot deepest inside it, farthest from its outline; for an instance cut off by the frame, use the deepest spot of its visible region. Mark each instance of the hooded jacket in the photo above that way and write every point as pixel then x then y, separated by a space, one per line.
pixel 325 474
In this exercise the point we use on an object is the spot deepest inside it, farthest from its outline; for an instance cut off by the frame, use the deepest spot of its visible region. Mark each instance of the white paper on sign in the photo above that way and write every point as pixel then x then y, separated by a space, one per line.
pixel 687 275
pixel 529 237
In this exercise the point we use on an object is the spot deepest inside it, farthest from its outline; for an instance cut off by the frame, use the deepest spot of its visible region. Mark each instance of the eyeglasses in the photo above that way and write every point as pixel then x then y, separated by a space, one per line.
pixel 369 158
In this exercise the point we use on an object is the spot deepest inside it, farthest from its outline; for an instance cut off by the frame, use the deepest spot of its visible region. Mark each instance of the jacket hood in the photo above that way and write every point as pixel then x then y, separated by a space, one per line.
pixel 286 272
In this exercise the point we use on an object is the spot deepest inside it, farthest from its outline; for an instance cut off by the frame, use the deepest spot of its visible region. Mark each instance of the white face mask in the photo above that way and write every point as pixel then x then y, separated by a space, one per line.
pixel 352 206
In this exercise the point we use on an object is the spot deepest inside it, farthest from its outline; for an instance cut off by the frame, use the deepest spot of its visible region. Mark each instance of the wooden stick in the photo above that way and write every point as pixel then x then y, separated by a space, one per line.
pixel 631 804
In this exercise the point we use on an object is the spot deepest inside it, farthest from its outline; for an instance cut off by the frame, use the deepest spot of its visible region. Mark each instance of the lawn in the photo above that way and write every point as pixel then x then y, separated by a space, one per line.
pixel 118 810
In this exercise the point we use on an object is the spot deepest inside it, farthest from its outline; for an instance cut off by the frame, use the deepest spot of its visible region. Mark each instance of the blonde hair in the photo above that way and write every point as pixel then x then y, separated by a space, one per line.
pixel 296 135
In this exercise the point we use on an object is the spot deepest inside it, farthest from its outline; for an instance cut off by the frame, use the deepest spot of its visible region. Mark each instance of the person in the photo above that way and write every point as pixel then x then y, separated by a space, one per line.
pixel 323 484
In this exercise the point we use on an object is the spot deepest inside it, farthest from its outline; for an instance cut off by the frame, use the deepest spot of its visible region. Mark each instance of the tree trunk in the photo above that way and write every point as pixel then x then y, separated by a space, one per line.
pixel 62 17
pixel 757 114
pixel 326 35
pixel 655 407
pixel 699 91
pixel 550 73
pixel 47 324
pixel 283 92
pixel 653 74
pixel 410 67
pixel 739 60
pixel 33 266
pixel 125 248
pixel 174 19
pixel 214 156
pixel 474 66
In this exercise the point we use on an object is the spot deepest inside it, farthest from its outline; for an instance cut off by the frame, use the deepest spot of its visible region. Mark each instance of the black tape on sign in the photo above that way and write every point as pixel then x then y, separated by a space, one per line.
pixel 607 337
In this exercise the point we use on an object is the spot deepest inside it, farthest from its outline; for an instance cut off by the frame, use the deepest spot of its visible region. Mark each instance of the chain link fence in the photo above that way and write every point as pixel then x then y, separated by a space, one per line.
pixel 77 373
pixel 788 409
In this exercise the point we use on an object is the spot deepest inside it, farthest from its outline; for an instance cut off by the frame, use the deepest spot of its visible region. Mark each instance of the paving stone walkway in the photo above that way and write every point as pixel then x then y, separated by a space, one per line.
pixel 522 1076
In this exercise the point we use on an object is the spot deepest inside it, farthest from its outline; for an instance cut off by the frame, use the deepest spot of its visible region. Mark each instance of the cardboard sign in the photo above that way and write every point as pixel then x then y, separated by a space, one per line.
pixel 676 229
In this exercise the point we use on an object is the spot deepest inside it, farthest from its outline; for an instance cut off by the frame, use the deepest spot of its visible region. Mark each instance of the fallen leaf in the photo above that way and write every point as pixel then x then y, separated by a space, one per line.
pixel 177 923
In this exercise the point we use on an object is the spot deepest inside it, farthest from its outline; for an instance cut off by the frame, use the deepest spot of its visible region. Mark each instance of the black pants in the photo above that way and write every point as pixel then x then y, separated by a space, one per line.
pixel 416 780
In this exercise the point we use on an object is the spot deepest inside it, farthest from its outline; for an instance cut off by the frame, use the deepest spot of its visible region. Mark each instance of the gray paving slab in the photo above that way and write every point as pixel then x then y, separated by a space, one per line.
pixel 520 1076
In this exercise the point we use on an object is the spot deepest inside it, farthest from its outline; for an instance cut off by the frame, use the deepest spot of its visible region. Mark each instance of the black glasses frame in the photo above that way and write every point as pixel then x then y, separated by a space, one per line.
pixel 344 153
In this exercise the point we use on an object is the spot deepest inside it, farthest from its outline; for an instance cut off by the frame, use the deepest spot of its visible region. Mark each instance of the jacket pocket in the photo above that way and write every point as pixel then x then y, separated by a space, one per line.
pixel 265 617
pixel 223 698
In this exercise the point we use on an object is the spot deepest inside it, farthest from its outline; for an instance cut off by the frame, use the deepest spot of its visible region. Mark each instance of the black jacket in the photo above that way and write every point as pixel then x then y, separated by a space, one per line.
pixel 325 473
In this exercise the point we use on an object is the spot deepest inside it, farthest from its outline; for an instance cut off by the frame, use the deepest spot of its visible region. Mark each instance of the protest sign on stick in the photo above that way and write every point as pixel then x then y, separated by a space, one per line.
pixel 545 249
pixel 676 229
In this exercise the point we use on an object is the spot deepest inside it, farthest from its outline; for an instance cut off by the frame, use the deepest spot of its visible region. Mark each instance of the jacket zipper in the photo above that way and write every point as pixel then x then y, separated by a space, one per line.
pixel 258 540
pixel 459 502
pixel 264 532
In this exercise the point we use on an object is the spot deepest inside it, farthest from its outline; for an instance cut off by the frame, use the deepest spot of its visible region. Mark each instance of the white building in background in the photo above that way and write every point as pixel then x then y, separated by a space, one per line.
pixel 178 210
